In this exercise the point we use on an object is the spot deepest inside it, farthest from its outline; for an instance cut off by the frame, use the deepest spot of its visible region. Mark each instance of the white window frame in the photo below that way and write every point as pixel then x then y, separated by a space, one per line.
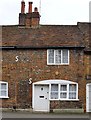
pixel 54 91
pixel 63 92
pixel 74 91
pixel 54 57
pixel 67 98
pixel 1 82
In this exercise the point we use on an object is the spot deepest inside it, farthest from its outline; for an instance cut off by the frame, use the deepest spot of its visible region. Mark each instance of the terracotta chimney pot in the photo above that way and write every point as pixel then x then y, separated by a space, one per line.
pixel 30 7
pixel 22 6
pixel 35 9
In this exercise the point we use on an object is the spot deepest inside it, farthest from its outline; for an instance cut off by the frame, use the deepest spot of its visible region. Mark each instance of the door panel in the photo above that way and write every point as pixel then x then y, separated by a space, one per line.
pixel 88 98
pixel 41 98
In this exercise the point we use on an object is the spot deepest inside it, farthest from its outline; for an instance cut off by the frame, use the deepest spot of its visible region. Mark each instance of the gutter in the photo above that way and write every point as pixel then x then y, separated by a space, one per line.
pixel 43 47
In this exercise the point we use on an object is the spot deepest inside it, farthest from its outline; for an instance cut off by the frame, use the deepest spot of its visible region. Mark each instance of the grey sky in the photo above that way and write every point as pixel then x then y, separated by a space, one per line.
pixel 52 11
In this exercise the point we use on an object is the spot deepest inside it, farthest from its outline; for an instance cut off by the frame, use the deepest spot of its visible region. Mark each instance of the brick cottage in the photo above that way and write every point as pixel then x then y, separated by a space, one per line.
pixel 45 67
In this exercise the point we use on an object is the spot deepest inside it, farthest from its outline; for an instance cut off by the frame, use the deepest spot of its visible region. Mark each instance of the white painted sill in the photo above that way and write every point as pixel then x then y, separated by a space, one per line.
pixel 64 99
pixel 4 97
pixel 57 64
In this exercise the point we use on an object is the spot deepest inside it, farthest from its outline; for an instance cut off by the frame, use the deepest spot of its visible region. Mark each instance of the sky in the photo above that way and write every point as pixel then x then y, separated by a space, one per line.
pixel 55 12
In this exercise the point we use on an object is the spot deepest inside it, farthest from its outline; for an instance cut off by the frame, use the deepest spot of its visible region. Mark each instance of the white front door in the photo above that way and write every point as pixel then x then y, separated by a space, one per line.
pixel 41 98
pixel 88 98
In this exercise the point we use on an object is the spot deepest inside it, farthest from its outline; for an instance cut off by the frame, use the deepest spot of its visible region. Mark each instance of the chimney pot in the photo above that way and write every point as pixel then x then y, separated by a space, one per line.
pixel 35 9
pixel 30 7
pixel 22 6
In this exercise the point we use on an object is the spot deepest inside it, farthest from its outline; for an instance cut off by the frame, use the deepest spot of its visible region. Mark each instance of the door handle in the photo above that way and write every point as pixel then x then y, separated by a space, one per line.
pixel 46 98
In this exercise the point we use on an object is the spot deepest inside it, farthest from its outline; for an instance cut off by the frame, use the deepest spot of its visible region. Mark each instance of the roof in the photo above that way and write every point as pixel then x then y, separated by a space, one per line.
pixel 44 35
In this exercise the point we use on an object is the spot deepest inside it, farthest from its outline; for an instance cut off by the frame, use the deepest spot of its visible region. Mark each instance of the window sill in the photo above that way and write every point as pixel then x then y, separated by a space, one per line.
pixel 70 100
pixel 64 99
pixel 4 97
pixel 57 64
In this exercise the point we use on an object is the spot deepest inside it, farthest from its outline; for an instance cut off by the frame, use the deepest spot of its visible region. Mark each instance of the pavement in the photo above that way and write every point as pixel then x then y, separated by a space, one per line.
pixel 40 116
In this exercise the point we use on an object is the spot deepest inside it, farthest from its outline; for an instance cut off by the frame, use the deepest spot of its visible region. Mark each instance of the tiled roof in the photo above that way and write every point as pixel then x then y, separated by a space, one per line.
pixel 45 35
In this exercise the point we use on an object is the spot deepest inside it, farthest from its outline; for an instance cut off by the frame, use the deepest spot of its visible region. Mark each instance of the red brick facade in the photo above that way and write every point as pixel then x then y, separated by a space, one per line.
pixel 24 56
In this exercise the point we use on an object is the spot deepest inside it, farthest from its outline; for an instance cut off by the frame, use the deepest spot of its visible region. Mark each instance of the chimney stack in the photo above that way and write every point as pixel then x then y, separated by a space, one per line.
pixel 29 19
pixel 22 6
pixel 30 7
pixel 35 18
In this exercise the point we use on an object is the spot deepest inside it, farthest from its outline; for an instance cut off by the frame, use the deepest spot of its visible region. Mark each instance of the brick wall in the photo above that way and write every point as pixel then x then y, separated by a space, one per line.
pixel 33 64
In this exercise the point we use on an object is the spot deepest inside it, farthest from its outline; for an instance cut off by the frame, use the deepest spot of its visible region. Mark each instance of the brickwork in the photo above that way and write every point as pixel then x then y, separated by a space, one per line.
pixel 65 104
pixel 33 64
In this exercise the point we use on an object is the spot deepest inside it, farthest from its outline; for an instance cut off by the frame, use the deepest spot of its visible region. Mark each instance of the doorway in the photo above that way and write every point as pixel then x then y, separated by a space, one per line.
pixel 41 98
pixel 88 97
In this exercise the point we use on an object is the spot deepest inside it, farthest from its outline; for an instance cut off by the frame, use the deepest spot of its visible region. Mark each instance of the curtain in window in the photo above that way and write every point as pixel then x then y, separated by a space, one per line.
pixel 3 89
pixel 57 56
pixel 63 91
pixel 54 87
pixel 72 91
pixel 64 56
pixel 51 56
pixel 54 91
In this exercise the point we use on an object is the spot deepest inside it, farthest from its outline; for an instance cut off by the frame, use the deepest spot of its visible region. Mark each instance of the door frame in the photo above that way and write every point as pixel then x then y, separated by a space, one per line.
pixel 33 91
pixel 87 96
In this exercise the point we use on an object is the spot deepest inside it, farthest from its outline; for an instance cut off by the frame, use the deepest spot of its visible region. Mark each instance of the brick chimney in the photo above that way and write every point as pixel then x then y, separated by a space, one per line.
pixel 30 7
pixel 35 18
pixel 29 15
pixel 30 19
pixel 22 6
pixel 22 14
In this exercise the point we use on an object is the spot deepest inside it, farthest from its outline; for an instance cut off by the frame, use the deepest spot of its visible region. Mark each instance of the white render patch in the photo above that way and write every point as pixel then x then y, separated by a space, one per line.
pixel 54 81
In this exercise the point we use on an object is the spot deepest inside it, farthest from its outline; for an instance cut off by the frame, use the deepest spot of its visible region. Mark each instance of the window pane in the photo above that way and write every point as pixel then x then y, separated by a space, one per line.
pixel 54 95
pixel 57 56
pixel 3 93
pixel 63 88
pixel 54 87
pixel 63 95
pixel 72 87
pixel 50 56
pixel 72 91
pixel 65 56
pixel 72 95
pixel 3 90
pixel 3 86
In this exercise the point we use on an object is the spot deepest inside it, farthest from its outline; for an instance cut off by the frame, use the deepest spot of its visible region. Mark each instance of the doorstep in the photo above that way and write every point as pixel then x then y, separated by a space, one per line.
pixel 11 109
pixel 68 110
